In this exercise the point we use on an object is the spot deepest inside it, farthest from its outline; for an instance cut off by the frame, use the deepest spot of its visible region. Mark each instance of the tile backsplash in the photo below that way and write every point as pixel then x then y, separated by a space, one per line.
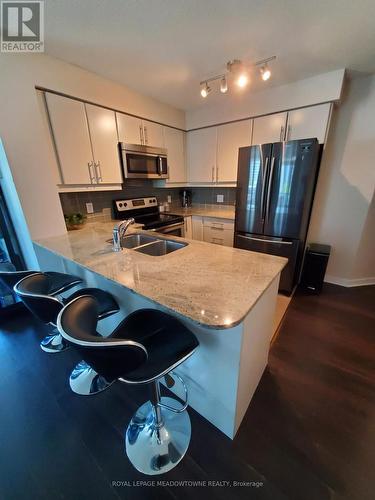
pixel 76 202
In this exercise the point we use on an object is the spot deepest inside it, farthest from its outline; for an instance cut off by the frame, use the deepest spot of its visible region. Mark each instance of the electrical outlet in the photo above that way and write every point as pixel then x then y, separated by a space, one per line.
pixel 169 198
pixel 220 198
pixel 89 208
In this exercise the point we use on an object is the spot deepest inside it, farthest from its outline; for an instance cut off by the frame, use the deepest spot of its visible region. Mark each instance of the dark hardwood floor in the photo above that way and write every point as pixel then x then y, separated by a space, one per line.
pixel 308 433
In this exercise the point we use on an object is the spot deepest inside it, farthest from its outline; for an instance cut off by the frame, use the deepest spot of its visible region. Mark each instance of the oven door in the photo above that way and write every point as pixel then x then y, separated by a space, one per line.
pixel 177 229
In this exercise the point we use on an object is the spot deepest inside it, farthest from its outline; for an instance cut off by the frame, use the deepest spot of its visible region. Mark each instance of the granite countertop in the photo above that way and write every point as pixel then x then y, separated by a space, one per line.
pixel 217 211
pixel 213 288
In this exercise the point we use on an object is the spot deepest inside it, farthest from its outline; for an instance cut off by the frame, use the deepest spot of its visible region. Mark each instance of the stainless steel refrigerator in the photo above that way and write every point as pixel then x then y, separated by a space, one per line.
pixel 275 189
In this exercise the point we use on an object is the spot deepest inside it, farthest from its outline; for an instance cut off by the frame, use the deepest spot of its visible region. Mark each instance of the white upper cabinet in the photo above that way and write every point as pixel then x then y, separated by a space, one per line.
pixel 72 140
pixel 130 129
pixel 175 144
pixel 308 122
pixel 230 137
pixel 270 128
pixel 104 141
pixel 153 134
pixel 201 154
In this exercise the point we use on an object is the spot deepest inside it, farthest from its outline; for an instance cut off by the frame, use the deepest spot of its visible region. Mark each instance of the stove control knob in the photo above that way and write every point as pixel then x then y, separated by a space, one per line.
pixel 125 204
pixel 120 204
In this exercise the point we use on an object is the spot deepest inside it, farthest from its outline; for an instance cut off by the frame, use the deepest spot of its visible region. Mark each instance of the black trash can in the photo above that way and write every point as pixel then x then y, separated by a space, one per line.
pixel 314 267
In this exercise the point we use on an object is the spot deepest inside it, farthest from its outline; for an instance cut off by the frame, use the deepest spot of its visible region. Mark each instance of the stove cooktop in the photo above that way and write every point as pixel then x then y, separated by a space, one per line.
pixel 145 211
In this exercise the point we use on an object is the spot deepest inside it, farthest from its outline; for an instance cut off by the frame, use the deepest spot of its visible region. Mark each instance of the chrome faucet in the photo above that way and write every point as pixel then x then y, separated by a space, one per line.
pixel 118 233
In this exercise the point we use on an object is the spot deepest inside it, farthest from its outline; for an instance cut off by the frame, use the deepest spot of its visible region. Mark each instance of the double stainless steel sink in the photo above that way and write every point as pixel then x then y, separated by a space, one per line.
pixel 150 245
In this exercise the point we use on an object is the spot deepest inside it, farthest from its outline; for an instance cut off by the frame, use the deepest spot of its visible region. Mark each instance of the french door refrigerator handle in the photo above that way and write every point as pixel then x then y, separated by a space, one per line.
pixel 264 176
pixel 275 242
pixel 269 188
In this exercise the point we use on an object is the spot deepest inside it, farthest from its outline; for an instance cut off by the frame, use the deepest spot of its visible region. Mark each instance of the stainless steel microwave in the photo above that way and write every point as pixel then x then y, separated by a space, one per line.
pixel 143 162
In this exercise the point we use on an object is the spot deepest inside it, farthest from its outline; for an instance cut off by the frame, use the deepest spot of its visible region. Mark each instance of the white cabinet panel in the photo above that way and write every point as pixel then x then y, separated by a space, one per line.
pixel 103 132
pixel 71 136
pixel 269 128
pixel 201 154
pixel 308 122
pixel 153 134
pixel 197 227
pixel 218 231
pixel 230 137
pixel 129 129
pixel 188 228
pixel 175 144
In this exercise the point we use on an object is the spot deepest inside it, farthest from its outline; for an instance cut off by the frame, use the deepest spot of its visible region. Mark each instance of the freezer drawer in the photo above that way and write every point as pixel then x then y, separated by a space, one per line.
pixel 273 246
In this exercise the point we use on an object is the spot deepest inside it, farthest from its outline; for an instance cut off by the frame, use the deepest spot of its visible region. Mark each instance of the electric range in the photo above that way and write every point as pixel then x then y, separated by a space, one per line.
pixel 145 211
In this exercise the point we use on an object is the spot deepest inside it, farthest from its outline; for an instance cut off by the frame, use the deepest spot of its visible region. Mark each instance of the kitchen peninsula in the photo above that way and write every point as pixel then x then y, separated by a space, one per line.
pixel 226 296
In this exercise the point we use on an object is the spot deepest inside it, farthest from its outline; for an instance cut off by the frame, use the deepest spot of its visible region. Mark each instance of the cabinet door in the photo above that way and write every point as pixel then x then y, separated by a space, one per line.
pixel 197 227
pixel 201 154
pixel 103 133
pixel 188 228
pixel 269 128
pixel 308 122
pixel 72 140
pixel 153 134
pixel 229 138
pixel 175 144
pixel 130 129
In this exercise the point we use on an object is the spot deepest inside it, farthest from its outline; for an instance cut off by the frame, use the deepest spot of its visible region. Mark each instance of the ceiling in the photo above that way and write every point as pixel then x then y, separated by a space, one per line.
pixel 164 48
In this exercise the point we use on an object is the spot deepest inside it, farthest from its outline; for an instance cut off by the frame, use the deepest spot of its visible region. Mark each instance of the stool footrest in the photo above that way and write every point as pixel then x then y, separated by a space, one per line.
pixel 185 403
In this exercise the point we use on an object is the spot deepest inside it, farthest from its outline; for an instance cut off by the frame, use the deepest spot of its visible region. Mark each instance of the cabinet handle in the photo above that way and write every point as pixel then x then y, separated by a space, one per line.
pixel 145 135
pixel 213 174
pixel 288 133
pixel 281 133
pixel 99 177
pixel 218 228
pixel 91 175
pixel 141 134
pixel 217 173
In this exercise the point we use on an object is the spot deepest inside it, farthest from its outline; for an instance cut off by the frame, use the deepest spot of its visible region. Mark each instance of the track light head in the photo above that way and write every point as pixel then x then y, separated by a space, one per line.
pixel 224 85
pixel 265 72
pixel 205 90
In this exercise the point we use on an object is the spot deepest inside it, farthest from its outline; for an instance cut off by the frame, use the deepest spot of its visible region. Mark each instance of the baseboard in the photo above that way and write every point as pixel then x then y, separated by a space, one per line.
pixel 349 282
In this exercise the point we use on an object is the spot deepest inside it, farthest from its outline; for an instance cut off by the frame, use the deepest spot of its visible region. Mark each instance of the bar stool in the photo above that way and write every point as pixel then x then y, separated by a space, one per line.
pixel 37 293
pixel 145 347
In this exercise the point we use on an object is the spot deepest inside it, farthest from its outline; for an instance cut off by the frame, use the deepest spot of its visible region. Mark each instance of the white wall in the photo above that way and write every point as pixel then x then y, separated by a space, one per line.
pixel 343 212
pixel 321 88
pixel 24 132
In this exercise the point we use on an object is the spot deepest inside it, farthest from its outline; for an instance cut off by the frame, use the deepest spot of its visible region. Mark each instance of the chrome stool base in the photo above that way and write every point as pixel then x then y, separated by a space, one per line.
pixel 54 343
pixel 157 448
pixel 85 381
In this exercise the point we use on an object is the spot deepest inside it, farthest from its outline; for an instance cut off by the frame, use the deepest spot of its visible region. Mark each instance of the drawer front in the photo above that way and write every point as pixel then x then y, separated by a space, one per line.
pixel 218 223
pixel 218 236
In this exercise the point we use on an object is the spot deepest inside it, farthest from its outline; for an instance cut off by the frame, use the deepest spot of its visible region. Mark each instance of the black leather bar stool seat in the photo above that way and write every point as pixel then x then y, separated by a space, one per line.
pixel 145 347
pixel 38 293
pixel 60 282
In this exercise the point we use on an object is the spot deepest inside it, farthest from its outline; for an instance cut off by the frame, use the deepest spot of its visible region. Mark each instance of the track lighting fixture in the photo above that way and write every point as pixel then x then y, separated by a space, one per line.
pixel 238 72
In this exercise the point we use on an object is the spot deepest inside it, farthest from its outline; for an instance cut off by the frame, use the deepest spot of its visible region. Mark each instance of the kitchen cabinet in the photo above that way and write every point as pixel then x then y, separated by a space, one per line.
pixel 230 137
pixel 308 122
pixel 71 138
pixel 103 133
pixel 188 227
pixel 270 128
pixel 175 145
pixel 85 138
pixel 153 134
pixel 218 231
pixel 201 155
pixel 133 130
pixel 197 227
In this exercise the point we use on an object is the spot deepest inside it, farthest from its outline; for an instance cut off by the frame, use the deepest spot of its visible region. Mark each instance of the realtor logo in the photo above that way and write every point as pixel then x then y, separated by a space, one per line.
pixel 22 26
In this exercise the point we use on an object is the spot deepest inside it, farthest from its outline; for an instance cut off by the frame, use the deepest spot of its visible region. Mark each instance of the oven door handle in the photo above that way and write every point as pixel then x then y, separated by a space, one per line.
pixel 165 229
